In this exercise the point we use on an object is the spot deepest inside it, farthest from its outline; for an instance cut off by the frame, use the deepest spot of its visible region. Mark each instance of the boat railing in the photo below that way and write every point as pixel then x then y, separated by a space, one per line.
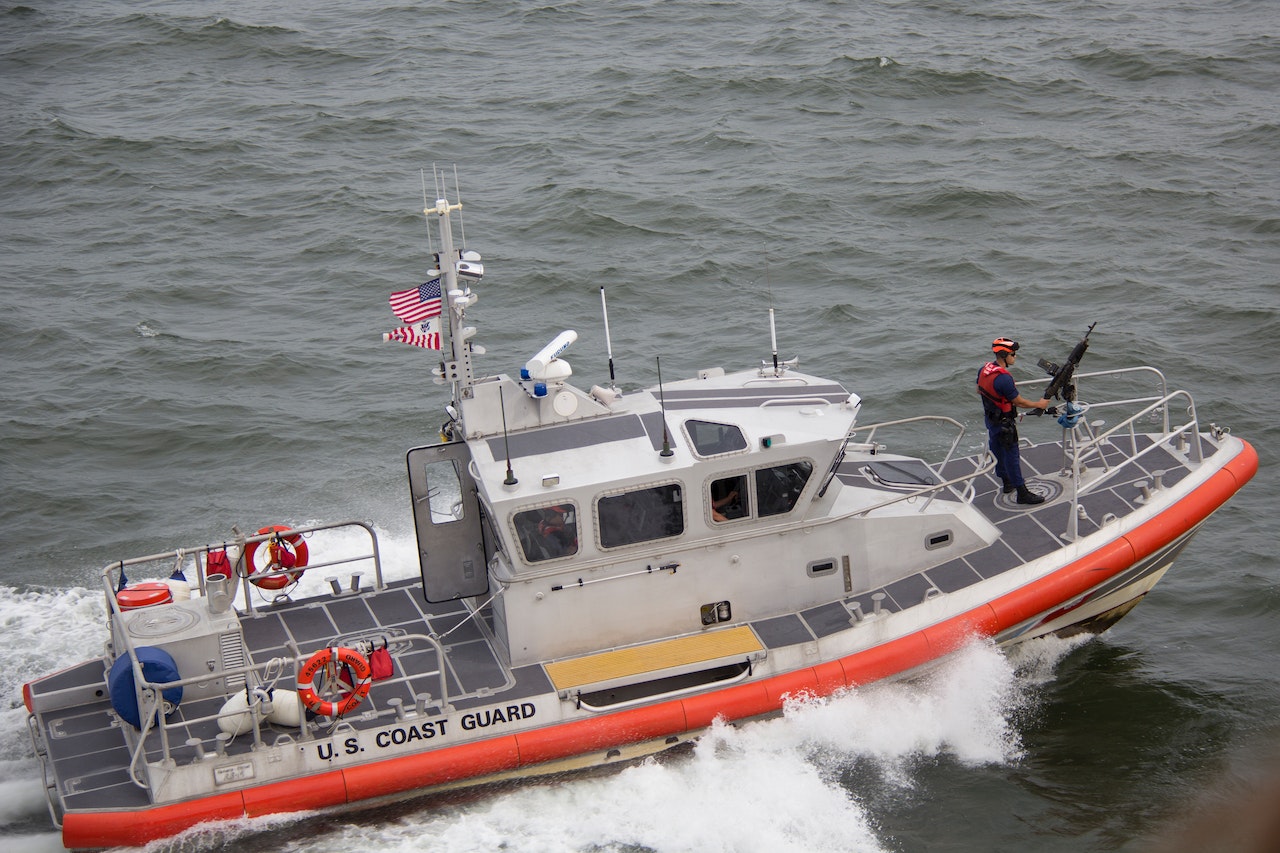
pixel 260 681
pixel 177 558
pixel 1089 443
pixel 114 579
pixel 864 438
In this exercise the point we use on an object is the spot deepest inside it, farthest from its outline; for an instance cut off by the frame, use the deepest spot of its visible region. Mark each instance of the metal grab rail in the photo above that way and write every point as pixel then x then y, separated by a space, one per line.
pixel 149 694
pixel 1077 453
pixel 965 494
pixel 1168 436
pixel 110 573
pixel 151 706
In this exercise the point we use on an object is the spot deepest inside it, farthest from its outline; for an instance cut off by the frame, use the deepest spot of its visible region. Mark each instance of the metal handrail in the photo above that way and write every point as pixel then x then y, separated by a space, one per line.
pixel 1079 452
pixel 1169 434
pixel 150 694
pixel 869 444
pixel 152 706
pixel 110 573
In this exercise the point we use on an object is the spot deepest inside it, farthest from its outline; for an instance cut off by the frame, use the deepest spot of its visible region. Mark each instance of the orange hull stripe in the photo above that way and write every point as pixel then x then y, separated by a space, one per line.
pixel 135 828
pixel 437 767
pixel 296 795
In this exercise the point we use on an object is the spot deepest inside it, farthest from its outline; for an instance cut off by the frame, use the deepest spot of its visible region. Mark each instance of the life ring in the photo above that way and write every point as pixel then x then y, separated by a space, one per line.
pixel 328 661
pixel 283 552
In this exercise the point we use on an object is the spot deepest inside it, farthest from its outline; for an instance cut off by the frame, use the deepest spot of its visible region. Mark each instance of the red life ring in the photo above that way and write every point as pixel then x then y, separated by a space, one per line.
pixel 283 552
pixel 328 660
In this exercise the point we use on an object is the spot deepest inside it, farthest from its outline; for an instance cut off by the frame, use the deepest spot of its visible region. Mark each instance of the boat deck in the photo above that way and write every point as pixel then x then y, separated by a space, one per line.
pixel 90 753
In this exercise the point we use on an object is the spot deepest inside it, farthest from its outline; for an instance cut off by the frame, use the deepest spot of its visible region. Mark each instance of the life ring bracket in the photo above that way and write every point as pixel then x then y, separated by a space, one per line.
pixel 285 554
pixel 326 663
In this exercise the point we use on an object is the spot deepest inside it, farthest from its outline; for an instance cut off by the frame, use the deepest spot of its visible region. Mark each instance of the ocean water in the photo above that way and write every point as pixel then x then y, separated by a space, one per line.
pixel 206 206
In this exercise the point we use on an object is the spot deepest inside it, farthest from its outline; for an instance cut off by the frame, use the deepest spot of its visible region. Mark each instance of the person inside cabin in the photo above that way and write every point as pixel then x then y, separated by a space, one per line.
pixel 558 532
pixel 726 500
pixel 1000 404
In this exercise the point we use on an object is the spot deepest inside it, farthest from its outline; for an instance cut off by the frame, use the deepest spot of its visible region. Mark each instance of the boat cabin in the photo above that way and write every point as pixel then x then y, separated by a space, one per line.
pixel 602 519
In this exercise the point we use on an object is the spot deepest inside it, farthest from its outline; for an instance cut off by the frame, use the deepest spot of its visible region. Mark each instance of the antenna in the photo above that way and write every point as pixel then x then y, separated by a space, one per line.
pixel 457 193
pixel 431 248
pixel 773 340
pixel 773 329
pixel 511 475
pixel 608 343
pixel 662 402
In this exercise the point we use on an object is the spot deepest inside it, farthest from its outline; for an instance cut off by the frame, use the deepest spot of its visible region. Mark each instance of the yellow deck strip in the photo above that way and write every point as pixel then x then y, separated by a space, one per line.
pixel 638 660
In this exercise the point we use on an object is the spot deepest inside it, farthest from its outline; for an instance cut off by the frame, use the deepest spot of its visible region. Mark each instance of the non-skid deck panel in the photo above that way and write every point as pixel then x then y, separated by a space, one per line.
pixel 899 473
pixel 782 631
pixel 90 759
pixel 652 657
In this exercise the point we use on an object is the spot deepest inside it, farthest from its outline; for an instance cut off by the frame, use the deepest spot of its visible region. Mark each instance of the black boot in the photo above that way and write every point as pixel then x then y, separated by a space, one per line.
pixel 1026 496
pixel 1008 487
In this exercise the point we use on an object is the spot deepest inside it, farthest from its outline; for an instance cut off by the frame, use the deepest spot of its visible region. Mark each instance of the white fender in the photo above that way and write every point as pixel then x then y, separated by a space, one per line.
pixel 179 588
pixel 234 718
pixel 286 709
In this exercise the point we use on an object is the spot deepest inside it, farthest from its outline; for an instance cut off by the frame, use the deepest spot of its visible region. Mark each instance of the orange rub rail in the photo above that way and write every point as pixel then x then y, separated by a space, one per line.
pixel 526 749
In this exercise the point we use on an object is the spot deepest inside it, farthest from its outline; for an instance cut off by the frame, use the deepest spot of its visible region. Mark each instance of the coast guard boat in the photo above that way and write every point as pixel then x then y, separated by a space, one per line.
pixel 603 574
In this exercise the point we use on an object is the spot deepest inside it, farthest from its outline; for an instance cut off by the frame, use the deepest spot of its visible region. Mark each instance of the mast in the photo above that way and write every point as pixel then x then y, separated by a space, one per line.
pixel 457 368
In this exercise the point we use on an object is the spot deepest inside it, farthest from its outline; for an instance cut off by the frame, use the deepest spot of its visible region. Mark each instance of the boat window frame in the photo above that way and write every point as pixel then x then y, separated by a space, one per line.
pixel 755 485
pixel 708 451
pixel 545 532
pixel 746 495
pixel 601 526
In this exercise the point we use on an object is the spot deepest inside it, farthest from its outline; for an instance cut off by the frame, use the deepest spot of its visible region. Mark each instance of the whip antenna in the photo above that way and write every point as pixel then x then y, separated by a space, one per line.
pixel 511 475
pixel 773 330
pixel 773 340
pixel 608 342
pixel 662 402
pixel 457 197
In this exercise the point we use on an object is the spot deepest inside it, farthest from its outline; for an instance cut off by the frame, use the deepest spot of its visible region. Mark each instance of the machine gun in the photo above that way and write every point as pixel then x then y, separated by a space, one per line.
pixel 1063 384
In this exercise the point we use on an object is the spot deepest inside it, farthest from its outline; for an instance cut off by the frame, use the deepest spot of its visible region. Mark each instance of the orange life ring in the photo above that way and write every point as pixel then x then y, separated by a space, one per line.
pixel 283 552
pixel 328 661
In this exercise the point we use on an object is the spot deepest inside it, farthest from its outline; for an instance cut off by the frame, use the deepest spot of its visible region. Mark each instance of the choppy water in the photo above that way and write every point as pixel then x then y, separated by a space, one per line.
pixel 205 207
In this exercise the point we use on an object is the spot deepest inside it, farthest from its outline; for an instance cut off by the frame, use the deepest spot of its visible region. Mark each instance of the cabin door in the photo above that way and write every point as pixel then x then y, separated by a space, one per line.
pixel 446 513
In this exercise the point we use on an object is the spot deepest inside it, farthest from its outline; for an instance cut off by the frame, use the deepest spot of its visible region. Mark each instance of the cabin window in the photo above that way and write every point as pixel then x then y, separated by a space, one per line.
pixel 547 532
pixel 778 488
pixel 641 515
pixel 711 439
pixel 729 498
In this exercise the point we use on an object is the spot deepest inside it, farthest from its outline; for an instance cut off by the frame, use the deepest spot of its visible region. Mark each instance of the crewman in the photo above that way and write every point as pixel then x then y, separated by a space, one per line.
pixel 1000 402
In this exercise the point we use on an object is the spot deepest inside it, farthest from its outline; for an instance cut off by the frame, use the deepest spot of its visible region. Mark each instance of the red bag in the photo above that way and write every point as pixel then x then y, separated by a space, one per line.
pixel 217 564
pixel 380 664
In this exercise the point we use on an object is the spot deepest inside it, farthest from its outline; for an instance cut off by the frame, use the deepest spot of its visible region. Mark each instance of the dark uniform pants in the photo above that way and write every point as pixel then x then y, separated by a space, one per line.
pixel 1003 441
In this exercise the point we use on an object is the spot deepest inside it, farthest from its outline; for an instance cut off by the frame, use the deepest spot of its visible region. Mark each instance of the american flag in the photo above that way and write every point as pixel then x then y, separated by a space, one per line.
pixel 425 335
pixel 418 304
